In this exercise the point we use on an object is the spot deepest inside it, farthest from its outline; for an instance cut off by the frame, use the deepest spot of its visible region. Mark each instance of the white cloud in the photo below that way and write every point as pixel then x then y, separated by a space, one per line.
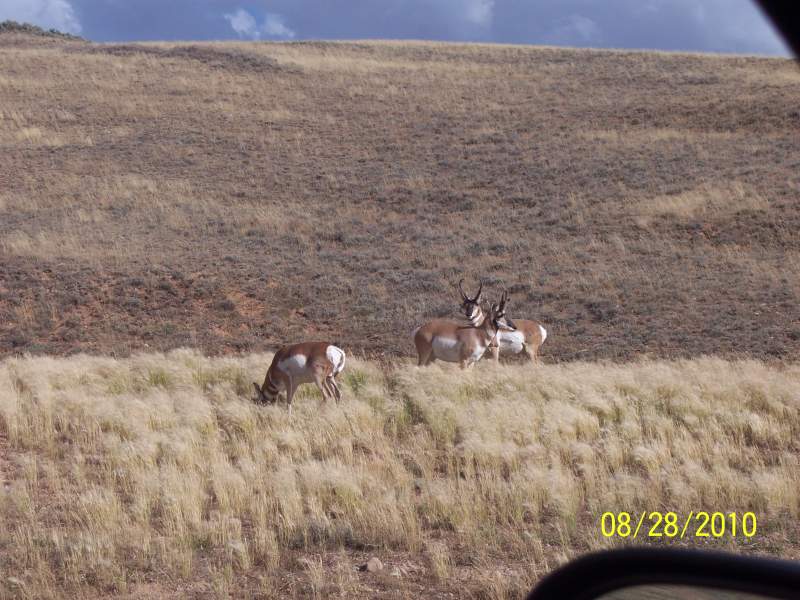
pixel 736 30
pixel 48 14
pixel 583 27
pixel 720 25
pixel 275 27
pixel 245 25
pixel 479 12
pixel 575 29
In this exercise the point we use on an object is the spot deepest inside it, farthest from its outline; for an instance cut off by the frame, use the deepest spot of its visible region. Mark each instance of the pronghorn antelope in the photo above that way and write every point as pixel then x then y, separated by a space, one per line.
pixel 451 341
pixel 317 362
pixel 528 337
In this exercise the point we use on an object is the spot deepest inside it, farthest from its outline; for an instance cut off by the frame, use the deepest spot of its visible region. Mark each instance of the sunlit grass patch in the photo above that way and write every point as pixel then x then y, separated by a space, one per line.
pixel 124 469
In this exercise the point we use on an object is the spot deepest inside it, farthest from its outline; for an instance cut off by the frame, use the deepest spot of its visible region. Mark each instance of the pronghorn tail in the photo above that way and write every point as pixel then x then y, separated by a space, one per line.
pixel 339 354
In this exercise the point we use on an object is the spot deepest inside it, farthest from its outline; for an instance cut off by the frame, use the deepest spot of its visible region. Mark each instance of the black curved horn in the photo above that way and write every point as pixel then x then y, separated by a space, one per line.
pixel 460 289
pixel 478 295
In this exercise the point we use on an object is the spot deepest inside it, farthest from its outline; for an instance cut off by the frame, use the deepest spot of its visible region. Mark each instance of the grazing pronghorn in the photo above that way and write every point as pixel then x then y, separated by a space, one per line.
pixel 451 341
pixel 528 337
pixel 309 362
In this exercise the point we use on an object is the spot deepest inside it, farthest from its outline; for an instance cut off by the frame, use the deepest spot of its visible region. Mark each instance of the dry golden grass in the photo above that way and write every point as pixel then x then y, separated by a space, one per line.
pixel 703 202
pixel 156 474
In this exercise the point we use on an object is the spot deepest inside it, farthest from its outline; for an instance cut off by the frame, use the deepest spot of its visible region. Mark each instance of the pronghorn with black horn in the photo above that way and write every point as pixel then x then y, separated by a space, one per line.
pixel 308 362
pixel 528 338
pixel 451 341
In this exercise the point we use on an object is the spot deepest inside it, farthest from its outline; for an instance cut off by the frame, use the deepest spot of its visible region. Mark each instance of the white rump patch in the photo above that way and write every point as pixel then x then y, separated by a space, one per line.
pixel 544 333
pixel 511 341
pixel 446 349
pixel 336 356
pixel 293 365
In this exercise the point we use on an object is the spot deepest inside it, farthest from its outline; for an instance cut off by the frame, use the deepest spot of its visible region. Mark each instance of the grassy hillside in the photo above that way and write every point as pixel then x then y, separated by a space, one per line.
pixel 235 196
pixel 155 476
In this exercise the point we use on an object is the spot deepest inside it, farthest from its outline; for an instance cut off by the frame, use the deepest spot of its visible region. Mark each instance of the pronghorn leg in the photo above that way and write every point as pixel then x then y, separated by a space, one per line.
pixel 290 387
pixel 325 388
pixel 532 352
pixel 326 383
pixel 322 388
pixel 334 387
pixel 320 380
pixel 425 357
pixel 337 393
pixel 495 353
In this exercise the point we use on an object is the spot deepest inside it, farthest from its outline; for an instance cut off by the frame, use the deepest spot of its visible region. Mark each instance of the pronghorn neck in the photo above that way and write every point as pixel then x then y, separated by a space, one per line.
pixel 270 390
pixel 488 328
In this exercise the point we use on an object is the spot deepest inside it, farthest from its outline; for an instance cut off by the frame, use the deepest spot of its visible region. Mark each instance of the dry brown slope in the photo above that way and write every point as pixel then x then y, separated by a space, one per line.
pixel 235 196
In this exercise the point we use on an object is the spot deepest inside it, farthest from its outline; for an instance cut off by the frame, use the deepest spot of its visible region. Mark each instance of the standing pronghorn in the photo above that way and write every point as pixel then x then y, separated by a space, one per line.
pixel 528 337
pixel 453 342
pixel 317 362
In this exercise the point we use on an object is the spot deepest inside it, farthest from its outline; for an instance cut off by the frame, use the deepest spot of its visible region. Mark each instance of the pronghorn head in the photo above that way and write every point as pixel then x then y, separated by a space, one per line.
pixel 267 398
pixel 471 307
pixel 498 315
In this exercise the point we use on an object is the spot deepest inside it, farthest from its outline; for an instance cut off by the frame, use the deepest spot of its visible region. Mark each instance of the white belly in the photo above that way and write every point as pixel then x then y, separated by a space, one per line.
pixel 336 356
pixel 295 367
pixel 477 353
pixel 446 349
pixel 511 342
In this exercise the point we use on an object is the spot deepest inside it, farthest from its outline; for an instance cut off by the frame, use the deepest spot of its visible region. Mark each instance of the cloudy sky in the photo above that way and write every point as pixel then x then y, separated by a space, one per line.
pixel 697 25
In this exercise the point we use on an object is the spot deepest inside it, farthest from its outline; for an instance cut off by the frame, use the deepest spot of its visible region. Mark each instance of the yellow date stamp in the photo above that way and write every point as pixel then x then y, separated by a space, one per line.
pixel 699 524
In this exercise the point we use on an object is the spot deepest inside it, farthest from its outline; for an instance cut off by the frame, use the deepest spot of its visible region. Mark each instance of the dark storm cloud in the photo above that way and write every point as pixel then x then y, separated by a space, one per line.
pixel 699 25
